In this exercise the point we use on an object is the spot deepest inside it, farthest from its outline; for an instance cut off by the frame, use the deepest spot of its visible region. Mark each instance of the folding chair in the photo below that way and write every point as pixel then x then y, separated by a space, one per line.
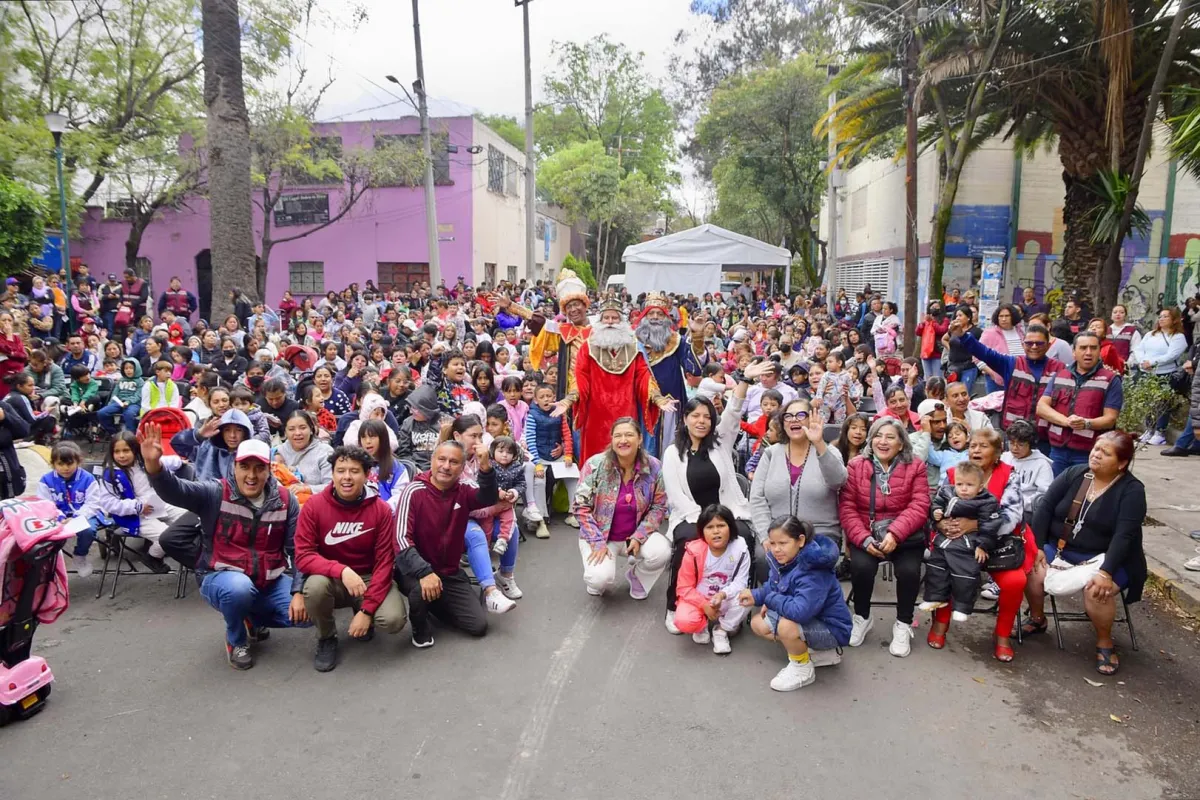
pixel 1079 616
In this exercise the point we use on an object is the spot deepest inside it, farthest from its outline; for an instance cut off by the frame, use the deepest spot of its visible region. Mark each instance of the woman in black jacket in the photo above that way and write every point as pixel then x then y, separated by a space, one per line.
pixel 1108 522
pixel 12 429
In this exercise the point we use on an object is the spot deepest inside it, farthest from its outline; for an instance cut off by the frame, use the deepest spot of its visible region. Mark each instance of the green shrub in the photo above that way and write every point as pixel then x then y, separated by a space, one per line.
pixel 1146 397
pixel 581 268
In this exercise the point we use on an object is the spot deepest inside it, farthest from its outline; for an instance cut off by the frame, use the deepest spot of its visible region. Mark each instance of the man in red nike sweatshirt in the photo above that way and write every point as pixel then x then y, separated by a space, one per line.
pixel 344 536
pixel 431 530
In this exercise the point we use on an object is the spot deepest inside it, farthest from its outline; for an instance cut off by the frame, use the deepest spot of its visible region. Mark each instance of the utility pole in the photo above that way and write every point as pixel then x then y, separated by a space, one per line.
pixel 910 178
pixel 831 247
pixel 431 226
pixel 530 182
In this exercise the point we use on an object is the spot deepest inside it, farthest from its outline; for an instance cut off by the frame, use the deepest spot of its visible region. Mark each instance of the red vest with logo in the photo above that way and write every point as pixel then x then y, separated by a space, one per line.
pixel 1122 338
pixel 178 302
pixel 250 540
pixel 1022 393
pixel 1085 400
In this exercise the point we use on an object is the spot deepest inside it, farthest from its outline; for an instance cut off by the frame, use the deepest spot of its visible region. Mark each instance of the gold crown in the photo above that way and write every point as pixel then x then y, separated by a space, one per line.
pixel 658 300
pixel 612 304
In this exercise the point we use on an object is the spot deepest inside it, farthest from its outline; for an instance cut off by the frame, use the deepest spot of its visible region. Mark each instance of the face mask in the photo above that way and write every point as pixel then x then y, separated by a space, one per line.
pixel 255 382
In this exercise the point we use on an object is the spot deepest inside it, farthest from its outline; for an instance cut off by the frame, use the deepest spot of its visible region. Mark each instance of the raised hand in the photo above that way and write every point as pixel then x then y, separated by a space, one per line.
pixel 150 440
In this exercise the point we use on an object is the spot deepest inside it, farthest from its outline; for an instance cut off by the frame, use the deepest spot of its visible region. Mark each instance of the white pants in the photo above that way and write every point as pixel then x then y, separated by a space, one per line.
pixel 650 562
pixel 535 489
pixel 151 528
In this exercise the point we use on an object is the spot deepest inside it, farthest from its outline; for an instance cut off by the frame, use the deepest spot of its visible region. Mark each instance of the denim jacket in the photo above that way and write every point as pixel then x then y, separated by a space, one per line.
pixel 596 497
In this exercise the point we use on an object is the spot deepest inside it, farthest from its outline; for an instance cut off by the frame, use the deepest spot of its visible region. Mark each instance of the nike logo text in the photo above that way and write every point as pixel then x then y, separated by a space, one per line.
pixel 344 531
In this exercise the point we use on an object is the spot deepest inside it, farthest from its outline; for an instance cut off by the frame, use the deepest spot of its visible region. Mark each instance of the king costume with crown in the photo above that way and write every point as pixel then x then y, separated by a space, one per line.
pixel 670 359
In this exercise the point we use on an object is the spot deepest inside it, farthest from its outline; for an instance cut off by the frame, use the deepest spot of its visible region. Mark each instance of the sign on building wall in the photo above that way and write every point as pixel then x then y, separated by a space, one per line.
pixel 51 255
pixel 989 284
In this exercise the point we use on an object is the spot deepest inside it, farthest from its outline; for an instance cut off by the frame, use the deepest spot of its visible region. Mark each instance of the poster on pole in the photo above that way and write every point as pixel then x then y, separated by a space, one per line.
pixel 989 285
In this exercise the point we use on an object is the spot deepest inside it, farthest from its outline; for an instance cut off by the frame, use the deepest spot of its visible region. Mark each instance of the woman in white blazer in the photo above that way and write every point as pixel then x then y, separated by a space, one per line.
pixel 698 471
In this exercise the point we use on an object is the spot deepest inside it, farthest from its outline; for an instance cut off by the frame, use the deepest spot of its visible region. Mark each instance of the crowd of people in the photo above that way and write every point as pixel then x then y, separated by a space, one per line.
pixel 384 451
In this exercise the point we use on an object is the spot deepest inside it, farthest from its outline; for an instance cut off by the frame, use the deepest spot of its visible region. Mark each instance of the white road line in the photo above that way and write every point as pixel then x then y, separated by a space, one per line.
pixel 533 735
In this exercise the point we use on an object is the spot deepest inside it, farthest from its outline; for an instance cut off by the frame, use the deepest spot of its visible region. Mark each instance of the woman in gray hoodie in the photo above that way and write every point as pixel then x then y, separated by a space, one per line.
pixel 303 453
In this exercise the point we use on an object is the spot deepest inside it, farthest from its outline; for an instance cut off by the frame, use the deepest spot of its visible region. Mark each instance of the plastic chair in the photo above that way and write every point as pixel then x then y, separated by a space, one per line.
pixel 171 420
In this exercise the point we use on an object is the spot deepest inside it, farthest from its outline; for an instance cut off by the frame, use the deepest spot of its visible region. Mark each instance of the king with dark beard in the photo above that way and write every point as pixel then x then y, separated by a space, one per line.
pixel 613 381
pixel 660 342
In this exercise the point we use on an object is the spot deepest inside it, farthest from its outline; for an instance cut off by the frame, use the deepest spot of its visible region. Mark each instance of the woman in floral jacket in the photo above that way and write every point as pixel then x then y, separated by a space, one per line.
pixel 621 503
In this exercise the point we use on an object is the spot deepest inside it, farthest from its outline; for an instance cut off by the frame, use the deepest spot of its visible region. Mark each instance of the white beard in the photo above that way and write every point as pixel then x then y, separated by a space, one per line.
pixel 612 337
pixel 654 334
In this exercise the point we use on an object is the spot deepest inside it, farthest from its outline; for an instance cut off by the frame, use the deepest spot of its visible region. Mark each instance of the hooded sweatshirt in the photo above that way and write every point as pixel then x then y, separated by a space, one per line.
pixel 370 404
pixel 210 457
pixel 333 534
pixel 806 588
pixel 418 438
pixel 310 465
pixel 1038 474
pixel 431 524
pixel 129 390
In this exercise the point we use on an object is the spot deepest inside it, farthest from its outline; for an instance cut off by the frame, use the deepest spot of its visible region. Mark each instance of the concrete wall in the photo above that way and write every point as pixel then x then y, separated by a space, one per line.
pixel 499 234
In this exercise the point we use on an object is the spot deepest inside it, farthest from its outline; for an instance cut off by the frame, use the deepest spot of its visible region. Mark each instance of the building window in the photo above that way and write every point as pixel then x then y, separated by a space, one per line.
pixel 495 169
pixel 125 208
pixel 141 267
pixel 512 274
pixel 409 144
pixel 511 173
pixel 854 275
pixel 401 277
pixel 323 149
pixel 306 277
pixel 489 275
pixel 302 209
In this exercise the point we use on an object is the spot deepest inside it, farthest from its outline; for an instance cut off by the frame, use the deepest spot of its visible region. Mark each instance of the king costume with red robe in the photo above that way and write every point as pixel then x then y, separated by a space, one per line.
pixel 611 384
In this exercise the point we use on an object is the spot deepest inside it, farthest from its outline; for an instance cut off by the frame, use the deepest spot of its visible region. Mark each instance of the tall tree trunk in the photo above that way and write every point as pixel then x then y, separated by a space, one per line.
pixel 133 243
pixel 229 186
pixel 937 245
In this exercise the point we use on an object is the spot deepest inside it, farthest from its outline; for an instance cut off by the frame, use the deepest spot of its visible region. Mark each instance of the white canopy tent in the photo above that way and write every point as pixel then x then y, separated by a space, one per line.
pixel 691 261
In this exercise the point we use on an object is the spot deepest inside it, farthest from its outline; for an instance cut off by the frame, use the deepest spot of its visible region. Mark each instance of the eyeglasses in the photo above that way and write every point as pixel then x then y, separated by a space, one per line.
pixel 1036 344
pixel 792 417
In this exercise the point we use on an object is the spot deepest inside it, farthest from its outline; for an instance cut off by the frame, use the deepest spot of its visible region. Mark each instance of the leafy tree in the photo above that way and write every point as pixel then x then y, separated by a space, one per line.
pixel 23 218
pixel 583 179
pixel 508 127
pixel 758 132
pixel 581 268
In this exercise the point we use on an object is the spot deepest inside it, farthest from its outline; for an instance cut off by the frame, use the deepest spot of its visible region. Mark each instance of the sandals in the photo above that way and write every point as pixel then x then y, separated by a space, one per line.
pixel 1003 653
pixel 1032 627
pixel 936 640
pixel 1106 663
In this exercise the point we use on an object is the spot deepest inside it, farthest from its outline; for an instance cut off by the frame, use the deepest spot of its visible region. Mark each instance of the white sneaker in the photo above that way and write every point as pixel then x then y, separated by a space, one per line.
pixel 1193 564
pixel 155 551
pixel 990 591
pixel 670 623
pixel 574 523
pixel 533 515
pixel 702 637
pixel 824 658
pixel 960 616
pixel 509 587
pixel 859 629
pixel 1157 439
pixel 593 592
pixel 932 605
pixel 497 603
pixel 901 645
pixel 83 567
pixel 542 531
pixel 794 676
pixel 720 640
pixel 500 547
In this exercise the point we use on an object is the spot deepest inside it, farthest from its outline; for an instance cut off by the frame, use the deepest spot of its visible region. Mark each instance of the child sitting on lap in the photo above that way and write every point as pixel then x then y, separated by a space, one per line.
pixel 953 565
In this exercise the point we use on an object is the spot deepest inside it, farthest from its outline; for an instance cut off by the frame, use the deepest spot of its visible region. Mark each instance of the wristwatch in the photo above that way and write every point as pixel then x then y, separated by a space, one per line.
pixel 1087 424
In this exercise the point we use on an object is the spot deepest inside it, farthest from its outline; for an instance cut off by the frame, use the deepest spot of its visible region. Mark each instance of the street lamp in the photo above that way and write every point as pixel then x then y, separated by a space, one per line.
pixel 57 124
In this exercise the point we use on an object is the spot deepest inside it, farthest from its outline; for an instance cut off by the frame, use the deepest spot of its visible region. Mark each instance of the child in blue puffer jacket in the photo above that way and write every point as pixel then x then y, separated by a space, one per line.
pixel 76 494
pixel 802 606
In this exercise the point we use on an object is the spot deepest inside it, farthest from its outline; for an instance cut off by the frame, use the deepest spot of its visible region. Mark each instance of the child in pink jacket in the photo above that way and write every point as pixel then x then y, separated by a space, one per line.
pixel 715 568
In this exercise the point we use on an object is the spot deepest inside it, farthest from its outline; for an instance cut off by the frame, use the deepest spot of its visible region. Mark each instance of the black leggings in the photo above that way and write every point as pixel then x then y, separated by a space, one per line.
pixel 685 532
pixel 906 561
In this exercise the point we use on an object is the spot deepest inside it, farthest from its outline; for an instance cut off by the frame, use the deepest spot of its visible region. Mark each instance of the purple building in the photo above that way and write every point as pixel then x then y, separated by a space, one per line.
pixel 481 223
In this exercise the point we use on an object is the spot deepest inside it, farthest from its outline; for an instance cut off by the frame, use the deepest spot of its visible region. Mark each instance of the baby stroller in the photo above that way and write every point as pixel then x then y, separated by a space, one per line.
pixel 33 590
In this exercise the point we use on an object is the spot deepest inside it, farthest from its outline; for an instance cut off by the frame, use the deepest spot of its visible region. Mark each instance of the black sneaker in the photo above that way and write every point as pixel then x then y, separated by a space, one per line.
pixel 256 634
pixel 326 657
pixel 239 656
pixel 155 565
pixel 1176 452
pixel 422 633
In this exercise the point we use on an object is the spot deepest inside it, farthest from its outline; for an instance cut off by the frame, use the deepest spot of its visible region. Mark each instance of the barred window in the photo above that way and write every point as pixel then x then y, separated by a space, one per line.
pixel 495 169
pixel 306 277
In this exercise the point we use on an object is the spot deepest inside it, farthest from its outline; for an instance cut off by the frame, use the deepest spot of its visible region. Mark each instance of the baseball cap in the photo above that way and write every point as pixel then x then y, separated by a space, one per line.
pixel 253 449
pixel 88 321
pixel 929 406
pixel 112 276
pixel 12 281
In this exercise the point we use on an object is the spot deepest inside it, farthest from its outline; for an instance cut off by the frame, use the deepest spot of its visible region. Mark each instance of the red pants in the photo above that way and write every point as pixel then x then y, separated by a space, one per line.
pixel 1012 591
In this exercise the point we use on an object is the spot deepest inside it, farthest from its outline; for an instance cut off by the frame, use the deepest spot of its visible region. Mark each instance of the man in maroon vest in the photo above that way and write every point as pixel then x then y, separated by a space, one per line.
pixel 1024 377
pixel 178 299
pixel 136 292
pixel 248 525
pixel 1079 403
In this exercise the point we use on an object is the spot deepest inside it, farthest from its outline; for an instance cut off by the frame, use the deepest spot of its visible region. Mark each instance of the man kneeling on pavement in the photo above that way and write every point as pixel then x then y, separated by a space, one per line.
pixel 247 528
pixel 344 547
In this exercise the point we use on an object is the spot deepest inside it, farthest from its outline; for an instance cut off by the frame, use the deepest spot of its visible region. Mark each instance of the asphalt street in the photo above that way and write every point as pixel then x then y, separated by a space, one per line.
pixel 571 696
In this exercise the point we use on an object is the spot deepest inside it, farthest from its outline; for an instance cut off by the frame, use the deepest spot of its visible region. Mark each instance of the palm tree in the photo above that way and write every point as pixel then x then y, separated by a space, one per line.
pixel 229 184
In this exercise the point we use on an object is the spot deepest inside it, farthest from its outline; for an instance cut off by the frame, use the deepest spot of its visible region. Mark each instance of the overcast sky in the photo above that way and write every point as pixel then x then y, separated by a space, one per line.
pixel 473 50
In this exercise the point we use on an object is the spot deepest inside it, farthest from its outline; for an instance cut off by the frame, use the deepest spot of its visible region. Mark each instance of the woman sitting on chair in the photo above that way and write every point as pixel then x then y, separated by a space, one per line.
pixel 1092 510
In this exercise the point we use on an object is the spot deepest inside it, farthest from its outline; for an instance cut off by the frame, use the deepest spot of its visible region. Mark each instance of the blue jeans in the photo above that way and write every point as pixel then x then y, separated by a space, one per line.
pixel 1187 439
pixel 968 377
pixel 237 598
pixel 84 539
pixel 129 415
pixel 1063 457
pixel 932 367
pixel 480 557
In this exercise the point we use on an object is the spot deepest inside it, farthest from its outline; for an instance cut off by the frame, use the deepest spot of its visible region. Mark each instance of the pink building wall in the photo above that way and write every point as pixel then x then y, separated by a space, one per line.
pixel 386 225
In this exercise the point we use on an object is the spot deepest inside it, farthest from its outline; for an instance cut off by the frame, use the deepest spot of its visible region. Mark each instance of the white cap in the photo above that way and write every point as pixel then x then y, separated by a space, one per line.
pixel 928 406
pixel 253 449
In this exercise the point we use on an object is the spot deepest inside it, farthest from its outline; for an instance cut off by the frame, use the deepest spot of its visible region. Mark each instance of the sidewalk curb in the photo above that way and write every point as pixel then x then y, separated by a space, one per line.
pixel 1168 581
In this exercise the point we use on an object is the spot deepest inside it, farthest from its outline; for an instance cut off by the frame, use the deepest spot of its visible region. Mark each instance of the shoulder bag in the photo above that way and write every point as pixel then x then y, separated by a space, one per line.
pixel 1063 577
